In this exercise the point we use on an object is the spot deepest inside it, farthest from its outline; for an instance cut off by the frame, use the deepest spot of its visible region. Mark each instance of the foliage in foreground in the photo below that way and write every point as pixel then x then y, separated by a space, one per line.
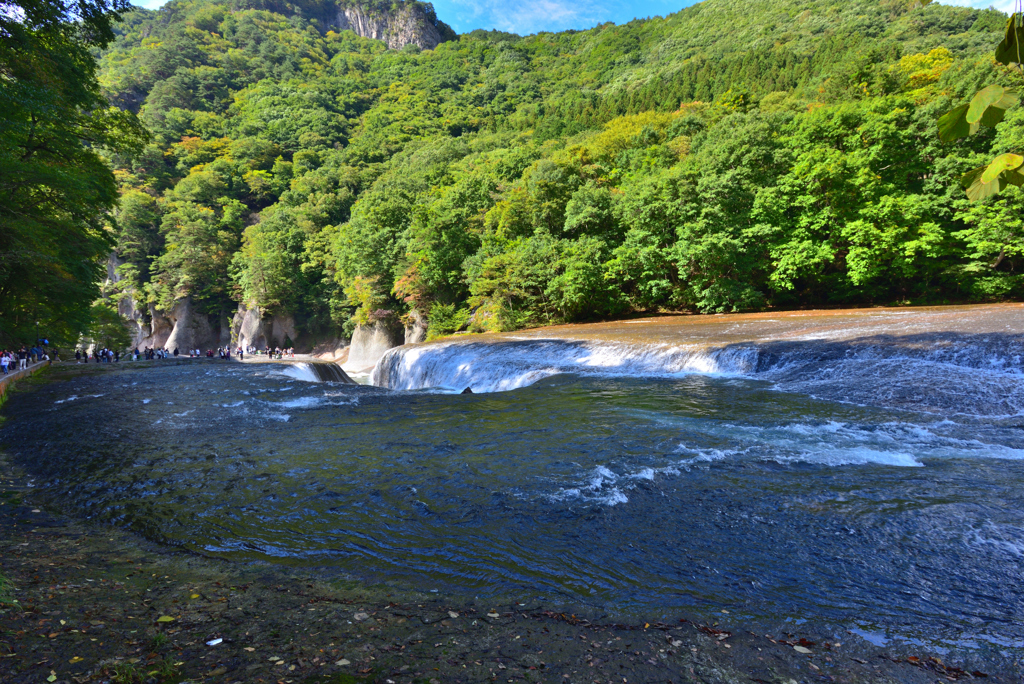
pixel 727 157
pixel 56 188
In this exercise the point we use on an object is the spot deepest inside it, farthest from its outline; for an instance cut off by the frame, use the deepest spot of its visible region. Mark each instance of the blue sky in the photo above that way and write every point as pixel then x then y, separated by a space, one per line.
pixel 529 16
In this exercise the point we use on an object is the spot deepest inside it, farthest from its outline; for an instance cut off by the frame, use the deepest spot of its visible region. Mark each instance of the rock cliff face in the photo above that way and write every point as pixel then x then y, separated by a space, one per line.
pixel 250 328
pixel 398 24
pixel 191 330
pixel 369 342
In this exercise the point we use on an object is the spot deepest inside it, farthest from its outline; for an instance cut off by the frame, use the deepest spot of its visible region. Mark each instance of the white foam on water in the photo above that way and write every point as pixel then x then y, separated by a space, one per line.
pixel 299 371
pixel 504 366
pixel 600 488
pixel 1001 539
pixel 940 375
pixel 313 402
pixel 75 397
pixel 837 443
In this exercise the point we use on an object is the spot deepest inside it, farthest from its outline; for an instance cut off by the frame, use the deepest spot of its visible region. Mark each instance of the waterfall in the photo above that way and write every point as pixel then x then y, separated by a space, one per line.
pixel 318 371
pixel 940 372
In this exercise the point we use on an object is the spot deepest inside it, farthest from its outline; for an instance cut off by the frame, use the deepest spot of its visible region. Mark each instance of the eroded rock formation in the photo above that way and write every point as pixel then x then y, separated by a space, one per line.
pixel 398 24
pixel 369 342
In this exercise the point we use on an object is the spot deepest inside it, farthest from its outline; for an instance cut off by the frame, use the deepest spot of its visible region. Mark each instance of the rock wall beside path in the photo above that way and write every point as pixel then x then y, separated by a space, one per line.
pixel 7 381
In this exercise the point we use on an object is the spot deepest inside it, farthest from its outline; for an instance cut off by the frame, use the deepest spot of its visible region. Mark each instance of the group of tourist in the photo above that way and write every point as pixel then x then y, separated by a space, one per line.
pixel 23 357
pixel 19 360
pixel 98 355
pixel 275 353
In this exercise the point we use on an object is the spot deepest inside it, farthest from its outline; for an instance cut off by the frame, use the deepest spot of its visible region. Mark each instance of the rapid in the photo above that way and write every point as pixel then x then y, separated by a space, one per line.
pixel 861 471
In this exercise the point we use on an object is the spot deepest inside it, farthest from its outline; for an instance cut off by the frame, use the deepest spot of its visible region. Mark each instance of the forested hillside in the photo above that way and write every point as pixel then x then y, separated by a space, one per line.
pixel 732 156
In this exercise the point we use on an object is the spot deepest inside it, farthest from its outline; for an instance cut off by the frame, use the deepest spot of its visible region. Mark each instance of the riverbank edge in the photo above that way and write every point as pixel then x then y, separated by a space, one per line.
pixel 8 381
pixel 97 604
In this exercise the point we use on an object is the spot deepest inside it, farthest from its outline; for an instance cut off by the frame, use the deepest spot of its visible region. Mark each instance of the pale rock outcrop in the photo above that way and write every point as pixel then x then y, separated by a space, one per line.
pixel 160 328
pixel 281 330
pixel 191 330
pixel 369 342
pixel 335 350
pixel 401 25
pixel 415 328
pixel 250 328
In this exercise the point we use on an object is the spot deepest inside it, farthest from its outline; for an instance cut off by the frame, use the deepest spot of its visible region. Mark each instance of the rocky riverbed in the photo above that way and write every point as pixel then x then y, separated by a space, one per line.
pixel 83 602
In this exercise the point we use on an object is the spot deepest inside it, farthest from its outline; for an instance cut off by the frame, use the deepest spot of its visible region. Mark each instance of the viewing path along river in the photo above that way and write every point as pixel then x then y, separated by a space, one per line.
pixel 856 470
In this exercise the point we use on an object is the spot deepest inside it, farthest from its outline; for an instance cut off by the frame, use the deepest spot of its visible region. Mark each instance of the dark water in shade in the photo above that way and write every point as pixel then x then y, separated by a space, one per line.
pixel 874 484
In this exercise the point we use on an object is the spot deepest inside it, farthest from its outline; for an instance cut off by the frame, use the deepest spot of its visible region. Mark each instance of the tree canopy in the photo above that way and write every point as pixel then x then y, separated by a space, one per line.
pixel 56 184
pixel 731 156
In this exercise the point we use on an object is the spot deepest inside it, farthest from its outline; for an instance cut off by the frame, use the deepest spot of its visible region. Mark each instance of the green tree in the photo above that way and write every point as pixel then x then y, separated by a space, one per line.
pixel 56 191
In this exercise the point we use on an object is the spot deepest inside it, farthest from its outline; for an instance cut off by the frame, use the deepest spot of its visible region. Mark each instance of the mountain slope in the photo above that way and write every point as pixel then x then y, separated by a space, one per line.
pixel 732 155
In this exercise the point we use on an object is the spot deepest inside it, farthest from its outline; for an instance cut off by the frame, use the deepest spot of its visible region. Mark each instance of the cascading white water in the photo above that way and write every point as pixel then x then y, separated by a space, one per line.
pixel 937 372
pixel 502 366
pixel 317 372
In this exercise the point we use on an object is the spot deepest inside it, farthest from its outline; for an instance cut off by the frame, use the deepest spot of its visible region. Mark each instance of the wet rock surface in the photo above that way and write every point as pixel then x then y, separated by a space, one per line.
pixel 97 605
pixel 91 603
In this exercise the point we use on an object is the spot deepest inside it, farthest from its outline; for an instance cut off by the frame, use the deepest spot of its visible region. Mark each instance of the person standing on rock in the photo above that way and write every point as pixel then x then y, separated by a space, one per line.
pixel 175 352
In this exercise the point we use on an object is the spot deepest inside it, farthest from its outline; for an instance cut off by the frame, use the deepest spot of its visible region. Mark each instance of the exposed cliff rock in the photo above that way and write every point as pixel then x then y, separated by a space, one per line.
pixel 415 328
pixel 160 329
pixel 369 342
pixel 137 321
pixel 395 23
pixel 192 330
pixel 250 328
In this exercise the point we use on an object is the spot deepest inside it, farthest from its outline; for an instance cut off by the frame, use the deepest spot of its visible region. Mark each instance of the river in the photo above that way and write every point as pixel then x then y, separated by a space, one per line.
pixel 857 470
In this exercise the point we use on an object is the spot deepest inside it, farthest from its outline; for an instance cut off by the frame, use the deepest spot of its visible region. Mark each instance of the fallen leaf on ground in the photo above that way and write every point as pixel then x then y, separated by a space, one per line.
pixel 165 618
pixel 801 649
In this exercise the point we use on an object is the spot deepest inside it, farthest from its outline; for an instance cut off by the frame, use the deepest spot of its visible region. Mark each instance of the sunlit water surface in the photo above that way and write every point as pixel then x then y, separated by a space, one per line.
pixel 877 487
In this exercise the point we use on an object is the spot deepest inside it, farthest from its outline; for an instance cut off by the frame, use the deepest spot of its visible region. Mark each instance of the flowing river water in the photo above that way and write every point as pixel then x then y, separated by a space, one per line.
pixel 854 470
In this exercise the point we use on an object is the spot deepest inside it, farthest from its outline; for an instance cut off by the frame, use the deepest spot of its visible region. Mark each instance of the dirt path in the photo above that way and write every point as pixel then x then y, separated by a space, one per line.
pixel 84 603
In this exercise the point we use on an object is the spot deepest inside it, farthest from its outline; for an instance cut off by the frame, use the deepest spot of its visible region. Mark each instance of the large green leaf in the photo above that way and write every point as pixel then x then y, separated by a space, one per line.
pixel 1011 49
pixel 1004 162
pixel 953 124
pixel 978 189
pixel 993 97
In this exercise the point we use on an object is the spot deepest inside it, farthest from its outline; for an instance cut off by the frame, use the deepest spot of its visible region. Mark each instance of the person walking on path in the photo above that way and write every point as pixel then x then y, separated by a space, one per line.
pixel 22 358
pixel 5 361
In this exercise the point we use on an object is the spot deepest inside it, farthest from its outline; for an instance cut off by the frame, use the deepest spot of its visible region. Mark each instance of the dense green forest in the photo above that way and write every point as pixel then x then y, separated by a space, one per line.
pixel 56 187
pixel 733 156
